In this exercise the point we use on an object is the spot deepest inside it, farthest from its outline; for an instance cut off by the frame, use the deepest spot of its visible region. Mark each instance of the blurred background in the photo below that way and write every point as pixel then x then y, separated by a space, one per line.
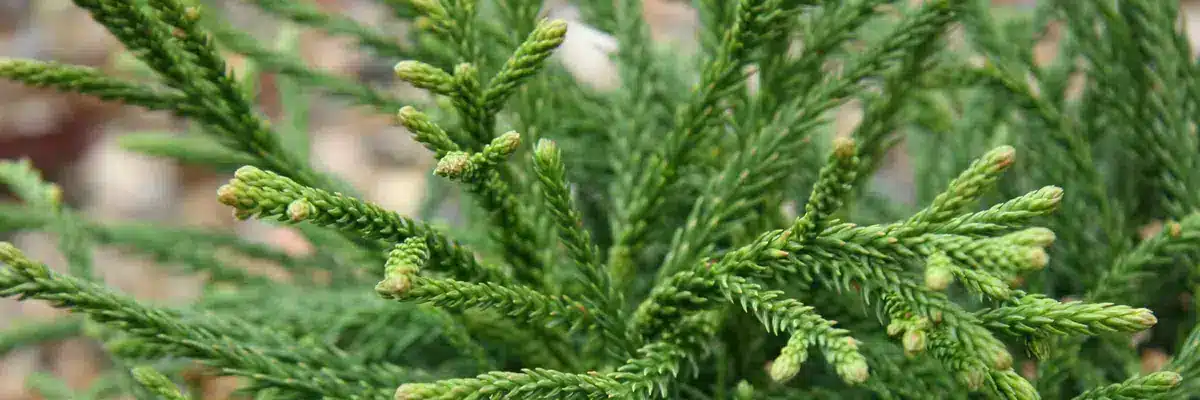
pixel 73 139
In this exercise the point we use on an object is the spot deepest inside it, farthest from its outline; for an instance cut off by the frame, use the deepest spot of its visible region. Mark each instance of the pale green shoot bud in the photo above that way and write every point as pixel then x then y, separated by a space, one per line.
pixel 854 371
pixel 784 369
pixel 156 383
pixel 833 185
pixel 552 29
pixel 455 164
pixel 250 176
pixel 465 71
pixel 1044 200
pixel 939 271
pixel 192 13
pixel 843 148
pixel 1035 258
pixel 547 150
pixel 1040 237
pixel 424 23
pixel 247 173
pixel 394 285
pixel 17 260
pixel 407 257
pixel 938 276
pixel 403 263
pixel 414 391
pixel 743 391
pixel 409 117
pixel 425 76
pixel 505 144
pixel 914 341
pixel 300 210
pixel 966 188
pixel 1001 359
pixel 972 379
pixel 774 254
pixel 227 194
pixel 1143 319
pixel 526 61
pixel 1174 229
pixel 430 8
pixel 54 193
pixel 790 359
pixel 425 131
pixel 1001 157
pixel 1168 379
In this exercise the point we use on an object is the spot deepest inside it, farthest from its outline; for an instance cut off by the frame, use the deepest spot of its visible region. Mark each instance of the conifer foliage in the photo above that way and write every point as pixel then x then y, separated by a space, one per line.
pixel 701 232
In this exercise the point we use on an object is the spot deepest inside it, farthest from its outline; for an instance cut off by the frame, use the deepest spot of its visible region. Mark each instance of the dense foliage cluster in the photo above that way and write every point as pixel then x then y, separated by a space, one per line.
pixel 700 232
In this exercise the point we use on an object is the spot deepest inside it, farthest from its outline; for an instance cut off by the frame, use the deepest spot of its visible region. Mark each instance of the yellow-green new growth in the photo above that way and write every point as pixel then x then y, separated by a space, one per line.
pixel 526 61
pixel 257 193
pixel 790 359
pixel 426 132
pixel 834 183
pixel 91 81
pixel 981 282
pixel 503 146
pixel 300 210
pixel 19 263
pixel 534 383
pixel 1035 237
pixel 914 341
pixel 913 334
pixel 1004 217
pixel 469 101
pixel 156 383
pixel 403 263
pixel 484 174
pixel 1039 316
pixel 455 165
pixel 798 320
pixel 430 8
pixel 966 188
pixel 460 165
pixel 425 76
pixel 938 272
pixel 1139 387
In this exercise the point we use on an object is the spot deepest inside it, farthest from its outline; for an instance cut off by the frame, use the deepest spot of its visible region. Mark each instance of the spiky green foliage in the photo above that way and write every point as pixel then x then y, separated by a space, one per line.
pixel 699 232
pixel 157 383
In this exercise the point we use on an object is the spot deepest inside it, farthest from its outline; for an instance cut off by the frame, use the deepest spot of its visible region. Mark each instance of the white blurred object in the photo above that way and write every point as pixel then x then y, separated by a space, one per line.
pixel 121 184
pixel 399 189
pixel 673 23
pixel 587 51
pixel 32 115
pixel 1190 11
pixel 339 149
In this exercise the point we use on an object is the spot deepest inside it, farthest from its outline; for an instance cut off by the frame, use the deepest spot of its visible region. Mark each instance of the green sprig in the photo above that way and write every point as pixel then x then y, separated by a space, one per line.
pixel 254 192
pixel 157 383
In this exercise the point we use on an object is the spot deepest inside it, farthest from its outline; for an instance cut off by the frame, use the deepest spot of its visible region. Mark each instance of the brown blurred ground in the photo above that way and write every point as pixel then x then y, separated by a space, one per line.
pixel 73 139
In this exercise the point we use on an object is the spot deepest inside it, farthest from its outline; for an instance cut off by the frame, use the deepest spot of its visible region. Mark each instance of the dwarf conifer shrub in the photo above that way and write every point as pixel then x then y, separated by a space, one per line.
pixel 701 232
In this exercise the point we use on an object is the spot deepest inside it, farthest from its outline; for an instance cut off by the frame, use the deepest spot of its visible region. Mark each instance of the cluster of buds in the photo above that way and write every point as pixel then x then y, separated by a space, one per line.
pixel 403 264
pixel 913 332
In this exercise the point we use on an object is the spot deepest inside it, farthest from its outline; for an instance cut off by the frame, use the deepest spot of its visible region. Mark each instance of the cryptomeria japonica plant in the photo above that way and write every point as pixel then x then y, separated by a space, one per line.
pixel 699 232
